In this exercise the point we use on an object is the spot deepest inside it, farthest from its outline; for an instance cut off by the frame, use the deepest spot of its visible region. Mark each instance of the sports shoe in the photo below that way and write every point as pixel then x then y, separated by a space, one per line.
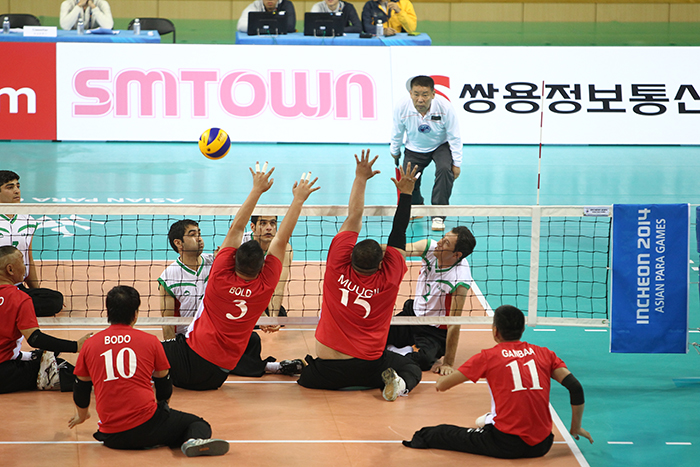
pixel 292 367
pixel 47 378
pixel 438 223
pixel 481 421
pixel 394 385
pixel 204 447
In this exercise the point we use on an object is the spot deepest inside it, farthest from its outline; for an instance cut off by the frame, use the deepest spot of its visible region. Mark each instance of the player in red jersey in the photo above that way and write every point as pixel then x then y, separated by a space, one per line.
pixel 360 286
pixel 121 361
pixel 518 374
pixel 241 283
pixel 19 370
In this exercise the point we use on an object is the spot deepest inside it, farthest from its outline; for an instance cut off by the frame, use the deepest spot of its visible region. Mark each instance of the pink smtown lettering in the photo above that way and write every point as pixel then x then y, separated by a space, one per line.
pixel 103 91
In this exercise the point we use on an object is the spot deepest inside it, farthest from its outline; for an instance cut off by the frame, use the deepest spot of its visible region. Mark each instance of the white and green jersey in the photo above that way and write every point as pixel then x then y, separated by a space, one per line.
pixel 18 232
pixel 435 286
pixel 186 286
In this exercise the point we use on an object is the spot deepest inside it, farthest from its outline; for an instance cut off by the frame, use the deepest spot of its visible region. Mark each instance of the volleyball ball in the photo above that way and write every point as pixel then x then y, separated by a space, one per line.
pixel 214 143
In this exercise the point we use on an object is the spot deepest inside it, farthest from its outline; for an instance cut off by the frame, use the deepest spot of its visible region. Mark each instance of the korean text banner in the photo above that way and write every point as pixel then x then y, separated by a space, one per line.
pixel 587 95
pixel 649 311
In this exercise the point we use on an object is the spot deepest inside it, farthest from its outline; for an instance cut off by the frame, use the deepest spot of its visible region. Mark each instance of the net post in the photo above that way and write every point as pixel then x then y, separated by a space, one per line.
pixel 534 266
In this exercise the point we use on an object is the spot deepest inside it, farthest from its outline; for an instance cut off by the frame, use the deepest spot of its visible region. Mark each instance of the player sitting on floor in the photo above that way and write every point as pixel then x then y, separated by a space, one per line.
pixel 121 362
pixel 518 375
pixel 18 230
pixel 241 284
pixel 443 284
pixel 360 286
pixel 263 229
pixel 20 371
pixel 182 285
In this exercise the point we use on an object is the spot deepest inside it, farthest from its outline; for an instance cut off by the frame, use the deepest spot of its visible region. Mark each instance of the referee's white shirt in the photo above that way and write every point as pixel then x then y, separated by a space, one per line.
pixel 425 134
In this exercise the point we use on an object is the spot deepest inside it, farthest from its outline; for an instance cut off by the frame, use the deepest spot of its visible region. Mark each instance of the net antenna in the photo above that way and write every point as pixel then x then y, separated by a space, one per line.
pixel 539 159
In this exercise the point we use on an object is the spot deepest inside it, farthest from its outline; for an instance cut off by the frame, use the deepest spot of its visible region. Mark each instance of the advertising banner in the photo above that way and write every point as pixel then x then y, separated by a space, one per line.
pixel 329 94
pixel 28 91
pixel 582 95
pixel 650 276
pixel 140 92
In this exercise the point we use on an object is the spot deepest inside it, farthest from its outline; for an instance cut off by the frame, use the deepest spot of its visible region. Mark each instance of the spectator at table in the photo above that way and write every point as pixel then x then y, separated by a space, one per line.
pixel 94 13
pixel 396 16
pixel 281 7
pixel 350 18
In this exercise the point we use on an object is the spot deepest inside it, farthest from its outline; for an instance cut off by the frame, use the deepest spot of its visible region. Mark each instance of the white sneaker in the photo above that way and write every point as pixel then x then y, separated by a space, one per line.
pixel 204 447
pixel 438 223
pixel 481 421
pixel 394 385
pixel 47 378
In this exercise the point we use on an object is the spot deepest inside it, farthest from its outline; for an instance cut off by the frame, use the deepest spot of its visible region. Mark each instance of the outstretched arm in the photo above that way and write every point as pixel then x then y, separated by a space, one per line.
pixel 405 183
pixel 261 183
pixel 356 205
pixel 564 377
pixel 446 382
pixel 301 190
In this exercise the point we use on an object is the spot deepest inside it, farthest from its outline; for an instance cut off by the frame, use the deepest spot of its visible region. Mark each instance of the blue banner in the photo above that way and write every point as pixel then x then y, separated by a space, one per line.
pixel 650 276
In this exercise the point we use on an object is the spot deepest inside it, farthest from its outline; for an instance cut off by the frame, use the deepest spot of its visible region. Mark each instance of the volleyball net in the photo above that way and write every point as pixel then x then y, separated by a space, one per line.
pixel 550 261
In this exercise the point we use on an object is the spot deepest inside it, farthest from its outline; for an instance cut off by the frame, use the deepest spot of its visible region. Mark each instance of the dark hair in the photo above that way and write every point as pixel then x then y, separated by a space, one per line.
pixel 510 322
pixel 466 242
pixel 177 231
pixel 250 258
pixel 122 303
pixel 424 81
pixel 7 176
pixel 5 252
pixel 367 255
pixel 254 219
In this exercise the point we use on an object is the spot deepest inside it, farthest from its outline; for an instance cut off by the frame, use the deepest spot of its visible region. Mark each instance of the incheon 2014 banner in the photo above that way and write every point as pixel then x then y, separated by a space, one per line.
pixel 650 277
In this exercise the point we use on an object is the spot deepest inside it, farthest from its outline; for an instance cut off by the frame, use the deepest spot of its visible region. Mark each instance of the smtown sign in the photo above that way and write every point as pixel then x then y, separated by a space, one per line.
pixel 256 94
pixel 103 95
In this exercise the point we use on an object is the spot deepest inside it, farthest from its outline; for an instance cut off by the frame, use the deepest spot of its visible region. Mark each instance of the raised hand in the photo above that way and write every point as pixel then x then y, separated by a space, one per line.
pixel 364 166
pixel 407 179
pixel 261 180
pixel 303 188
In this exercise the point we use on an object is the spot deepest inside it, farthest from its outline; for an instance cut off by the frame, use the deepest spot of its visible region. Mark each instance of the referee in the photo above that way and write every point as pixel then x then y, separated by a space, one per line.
pixel 432 134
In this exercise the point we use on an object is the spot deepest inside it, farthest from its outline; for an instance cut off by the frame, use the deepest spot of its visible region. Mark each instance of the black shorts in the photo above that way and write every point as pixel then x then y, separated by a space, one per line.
pixel 487 441
pixel 357 373
pixel 190 371
pixel 167 427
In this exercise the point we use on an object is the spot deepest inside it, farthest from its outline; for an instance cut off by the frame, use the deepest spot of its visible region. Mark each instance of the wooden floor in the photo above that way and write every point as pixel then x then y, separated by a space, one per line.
pixel 271 420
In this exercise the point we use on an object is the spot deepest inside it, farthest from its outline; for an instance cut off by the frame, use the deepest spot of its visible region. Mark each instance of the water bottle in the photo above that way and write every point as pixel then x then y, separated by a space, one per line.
pixel 380 28
pixel 81 26
pixel 137 26
pixel 6 25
